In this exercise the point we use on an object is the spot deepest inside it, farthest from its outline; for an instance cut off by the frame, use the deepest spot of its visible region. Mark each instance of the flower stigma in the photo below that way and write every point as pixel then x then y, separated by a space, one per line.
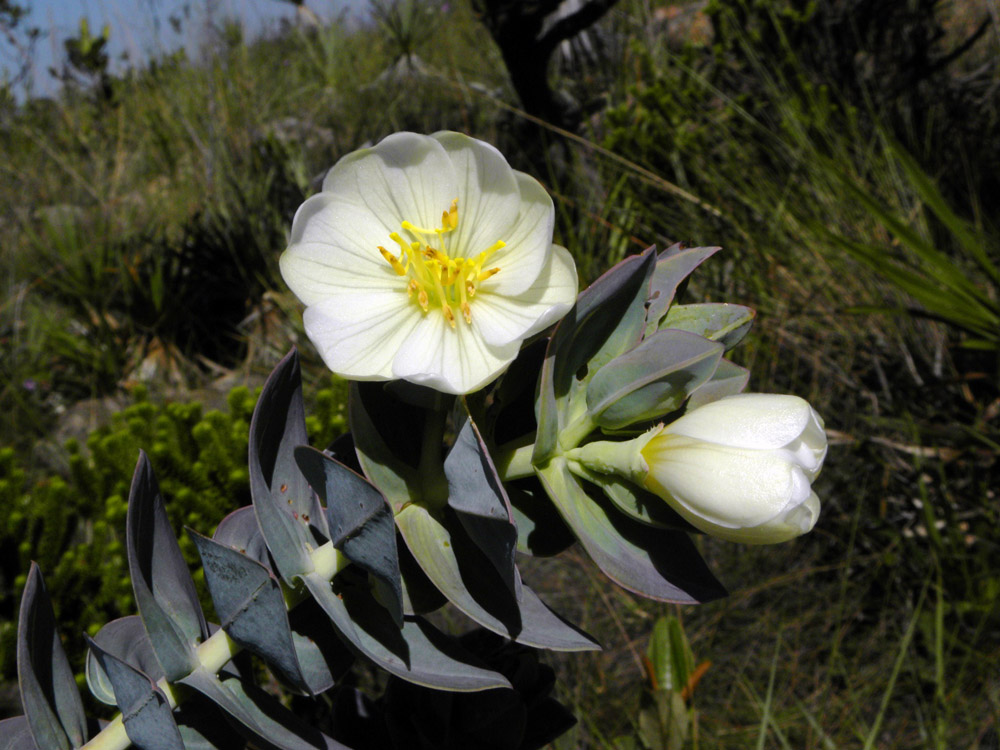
pixel 436 279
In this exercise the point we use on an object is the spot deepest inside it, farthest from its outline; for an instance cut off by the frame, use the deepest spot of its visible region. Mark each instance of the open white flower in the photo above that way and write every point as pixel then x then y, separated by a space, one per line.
pixel 741 468
pixel 427 258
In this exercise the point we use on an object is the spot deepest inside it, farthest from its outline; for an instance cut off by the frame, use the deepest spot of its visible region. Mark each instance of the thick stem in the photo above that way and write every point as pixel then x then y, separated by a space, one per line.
pixel 219 649
pixel 513 459
pixel 576 432
pixel 434 485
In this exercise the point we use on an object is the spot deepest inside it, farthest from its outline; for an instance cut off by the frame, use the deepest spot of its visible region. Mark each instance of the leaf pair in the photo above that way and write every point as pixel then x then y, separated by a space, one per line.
pixel 464 546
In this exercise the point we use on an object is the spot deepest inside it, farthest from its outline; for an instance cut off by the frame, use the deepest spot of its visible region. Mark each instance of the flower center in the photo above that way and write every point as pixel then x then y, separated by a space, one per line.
pixel 436 278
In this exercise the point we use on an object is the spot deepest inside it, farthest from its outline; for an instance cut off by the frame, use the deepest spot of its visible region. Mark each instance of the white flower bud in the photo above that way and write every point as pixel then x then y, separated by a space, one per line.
pixel 741 468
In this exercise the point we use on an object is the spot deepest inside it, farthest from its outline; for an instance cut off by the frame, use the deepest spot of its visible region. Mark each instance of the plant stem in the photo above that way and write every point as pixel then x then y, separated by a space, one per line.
pixel 434 485
pixel 513 459
pixel 576 432
pixel 218 649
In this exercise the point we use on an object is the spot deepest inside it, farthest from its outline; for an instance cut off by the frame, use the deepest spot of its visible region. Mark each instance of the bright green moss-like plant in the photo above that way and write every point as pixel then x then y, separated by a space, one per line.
pixel 71 526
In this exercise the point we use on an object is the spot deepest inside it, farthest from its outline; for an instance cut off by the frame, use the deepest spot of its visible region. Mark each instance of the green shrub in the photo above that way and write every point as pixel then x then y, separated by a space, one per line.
pixel 73 526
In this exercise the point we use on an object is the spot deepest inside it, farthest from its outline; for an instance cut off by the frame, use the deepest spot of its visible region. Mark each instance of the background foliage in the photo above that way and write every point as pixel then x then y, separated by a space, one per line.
pixel 841 152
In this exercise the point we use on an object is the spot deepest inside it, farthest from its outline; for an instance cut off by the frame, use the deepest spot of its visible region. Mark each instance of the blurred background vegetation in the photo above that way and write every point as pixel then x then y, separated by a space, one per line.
pixel 843 152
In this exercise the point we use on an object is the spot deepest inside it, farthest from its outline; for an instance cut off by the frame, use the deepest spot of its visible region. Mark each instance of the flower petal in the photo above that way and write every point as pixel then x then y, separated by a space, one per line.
pixel 748 420
pixel 487 192
pixel 405 177
pixel 450 360
pixel 729 487
pixel 358 335
pixel 501 320
pixel 528 241
pixel 334 249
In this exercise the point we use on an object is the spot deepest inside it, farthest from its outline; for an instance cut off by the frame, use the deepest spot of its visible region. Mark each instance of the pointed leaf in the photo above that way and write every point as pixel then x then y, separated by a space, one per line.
pixel 727 380
pixel 652 379
pixel 417 652
pixel 249 602
pixel 146 713
pixel 240 531
pixel 15 734
pixel 511 412
pixel 636 502
pixel 541 531
pixel 463 574
pixel 672 267
pixel 360 522
pixel 164 591
pixel 477 495
pixel 420 595
pixel 261 718
pixel 383 428
pixel 655 563
pixel 608 319
pixel 203 726
pixel 721 322
pixel 51 702
pixel 281 496
pixel 125 639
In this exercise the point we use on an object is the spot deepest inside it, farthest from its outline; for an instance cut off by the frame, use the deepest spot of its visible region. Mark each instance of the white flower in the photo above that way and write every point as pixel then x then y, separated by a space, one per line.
pixel 741 468
pixel 427 258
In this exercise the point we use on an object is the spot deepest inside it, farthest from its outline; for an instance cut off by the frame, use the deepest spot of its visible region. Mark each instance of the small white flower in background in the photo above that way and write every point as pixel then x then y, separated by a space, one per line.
pixel 427 258
pixel 741 468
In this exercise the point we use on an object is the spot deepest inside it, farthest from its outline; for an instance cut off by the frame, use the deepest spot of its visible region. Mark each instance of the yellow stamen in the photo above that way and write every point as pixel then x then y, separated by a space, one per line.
pixel 393 261
pixel 487 274
pixel 438 275
pixel 449 218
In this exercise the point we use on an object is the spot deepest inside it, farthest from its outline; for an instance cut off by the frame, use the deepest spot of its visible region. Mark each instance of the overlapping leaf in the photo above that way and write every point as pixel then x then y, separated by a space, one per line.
pixel 282 500
pixel 673 266
pixel 146 713
pixel 15 734
pixel 249 601
pixel 727 380
pixel 480 502
pixel 261 719
pixel 417 652
pixel 360 522
pixel 471 582
pixel 721 322
pixel 388 456
pixel 52 706
pixel 164 591
pixel 608 319
pixel 656 563
pixel 652 379
pixel 126 640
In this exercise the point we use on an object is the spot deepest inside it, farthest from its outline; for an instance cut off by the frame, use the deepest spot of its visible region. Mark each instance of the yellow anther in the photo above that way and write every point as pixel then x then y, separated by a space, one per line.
pixel 486 274
pixel 470 288
pixel 449 218
pixel 425 303
pixel 393 261
pixel 448 314
pixel 467 312
pixel 403 244
pixel 412 287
